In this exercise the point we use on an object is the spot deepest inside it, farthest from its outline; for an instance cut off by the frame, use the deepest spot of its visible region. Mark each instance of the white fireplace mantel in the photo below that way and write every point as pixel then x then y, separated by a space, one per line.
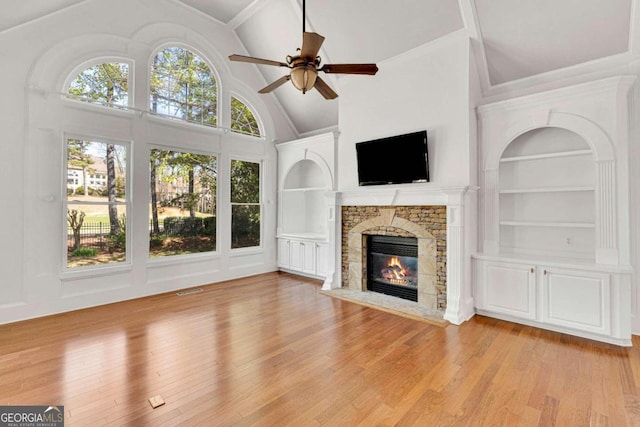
pixel 399 195
pixel 460 232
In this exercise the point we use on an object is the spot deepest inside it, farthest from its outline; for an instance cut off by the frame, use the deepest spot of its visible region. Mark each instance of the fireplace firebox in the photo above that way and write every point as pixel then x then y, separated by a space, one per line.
pixel 392 266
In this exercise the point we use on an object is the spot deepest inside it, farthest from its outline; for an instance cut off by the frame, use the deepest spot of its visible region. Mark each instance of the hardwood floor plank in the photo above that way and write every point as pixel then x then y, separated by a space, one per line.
pixel 271 350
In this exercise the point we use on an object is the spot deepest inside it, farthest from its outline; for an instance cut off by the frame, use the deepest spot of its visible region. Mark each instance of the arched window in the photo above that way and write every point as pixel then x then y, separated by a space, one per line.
pixel 242 118
pixel 182 86
pixel 105 84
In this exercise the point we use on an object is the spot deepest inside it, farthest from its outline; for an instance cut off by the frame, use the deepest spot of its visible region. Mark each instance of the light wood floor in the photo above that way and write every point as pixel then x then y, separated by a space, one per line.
pixel 271 350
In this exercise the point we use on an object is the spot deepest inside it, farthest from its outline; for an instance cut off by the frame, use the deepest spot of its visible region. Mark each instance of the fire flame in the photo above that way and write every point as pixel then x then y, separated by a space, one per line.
pixel 394 272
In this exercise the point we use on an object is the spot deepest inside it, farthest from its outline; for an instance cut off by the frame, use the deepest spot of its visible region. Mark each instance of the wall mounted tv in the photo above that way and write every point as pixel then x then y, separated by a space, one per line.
pixel 393 160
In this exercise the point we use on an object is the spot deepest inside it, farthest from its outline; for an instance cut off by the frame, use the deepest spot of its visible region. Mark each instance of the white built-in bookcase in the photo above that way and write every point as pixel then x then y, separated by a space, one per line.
pixel 554 218
pixel 307 207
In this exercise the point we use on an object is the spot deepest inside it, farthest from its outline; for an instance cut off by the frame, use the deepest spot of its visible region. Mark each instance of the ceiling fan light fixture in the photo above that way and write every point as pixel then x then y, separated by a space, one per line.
pixel 304 77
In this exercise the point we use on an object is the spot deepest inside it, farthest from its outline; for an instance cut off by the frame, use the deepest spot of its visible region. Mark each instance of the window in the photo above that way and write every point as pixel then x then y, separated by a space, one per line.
pixel 242 118
pixel 183 203
pixel 183 87
pixel 96 231
pixel 245 204
pixel 104 84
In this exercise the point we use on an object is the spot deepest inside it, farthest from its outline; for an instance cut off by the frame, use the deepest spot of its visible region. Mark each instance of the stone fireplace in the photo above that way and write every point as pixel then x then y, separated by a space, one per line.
pixel 427 225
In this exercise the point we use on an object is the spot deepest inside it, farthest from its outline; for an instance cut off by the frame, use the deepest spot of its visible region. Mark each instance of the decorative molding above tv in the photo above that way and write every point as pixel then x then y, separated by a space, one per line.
pixel 397 159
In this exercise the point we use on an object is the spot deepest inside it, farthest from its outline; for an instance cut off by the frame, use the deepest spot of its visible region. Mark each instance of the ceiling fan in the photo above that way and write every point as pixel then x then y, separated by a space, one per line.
pixel 305 66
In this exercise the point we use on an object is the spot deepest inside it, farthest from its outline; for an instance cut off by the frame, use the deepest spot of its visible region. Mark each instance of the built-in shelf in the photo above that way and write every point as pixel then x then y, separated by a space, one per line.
pixel 303 189
pixel 546 155
pixel 304 235
pixel 548 224
pixel 546 190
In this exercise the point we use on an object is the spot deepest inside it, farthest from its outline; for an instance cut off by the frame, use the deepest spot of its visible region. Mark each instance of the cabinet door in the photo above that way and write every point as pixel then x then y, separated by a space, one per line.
pixel 510 289
pixel 308 257
pixel 296 256
pixel 576 299
pixel 322 258
pixel 283 253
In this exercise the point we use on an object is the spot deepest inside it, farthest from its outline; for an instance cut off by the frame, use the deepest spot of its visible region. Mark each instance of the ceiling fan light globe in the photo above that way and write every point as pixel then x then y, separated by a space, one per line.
pixel 304 77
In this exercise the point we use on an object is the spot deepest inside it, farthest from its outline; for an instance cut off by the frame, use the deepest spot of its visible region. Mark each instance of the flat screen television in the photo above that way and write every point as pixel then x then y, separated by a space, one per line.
pixel 393 160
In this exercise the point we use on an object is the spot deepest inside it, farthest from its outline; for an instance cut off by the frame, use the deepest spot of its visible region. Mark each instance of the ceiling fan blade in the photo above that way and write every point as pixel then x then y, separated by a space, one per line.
pixel 251 59
pixel 369 69
pixel 282 80
pixel 311 43
pixel 324 89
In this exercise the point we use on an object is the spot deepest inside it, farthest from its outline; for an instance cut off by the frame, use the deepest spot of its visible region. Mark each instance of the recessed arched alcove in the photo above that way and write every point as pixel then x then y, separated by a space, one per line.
pixel 305 174
pixel 546 190
pixel 303 200
pixel 565 134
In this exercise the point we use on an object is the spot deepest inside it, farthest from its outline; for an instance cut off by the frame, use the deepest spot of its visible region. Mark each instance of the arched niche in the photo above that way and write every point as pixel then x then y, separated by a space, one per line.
pixel 546 190
pixel 305 174
pixel 303 198
pixel 597 139
pixel 550 190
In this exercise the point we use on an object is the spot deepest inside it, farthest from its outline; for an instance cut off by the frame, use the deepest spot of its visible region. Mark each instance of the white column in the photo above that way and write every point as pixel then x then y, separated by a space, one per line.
pixel 491 204
pixel 332 281
pixel 606 214
pixel 459 297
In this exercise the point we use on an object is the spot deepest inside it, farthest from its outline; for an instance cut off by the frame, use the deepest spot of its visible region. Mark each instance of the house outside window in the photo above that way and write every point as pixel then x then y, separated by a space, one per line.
pixel 96 221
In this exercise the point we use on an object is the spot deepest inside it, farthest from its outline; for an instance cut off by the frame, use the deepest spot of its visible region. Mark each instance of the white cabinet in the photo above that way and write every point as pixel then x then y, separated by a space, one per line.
pixel 322 259
pixel 284 253
pixel 579 300
pixel 509 289
pixel 307 257
pixel 570 299
pixel 296 255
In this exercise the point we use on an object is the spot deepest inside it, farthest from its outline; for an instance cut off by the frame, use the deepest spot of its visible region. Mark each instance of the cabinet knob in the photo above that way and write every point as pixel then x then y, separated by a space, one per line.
pixel 545 272
pixel 532 269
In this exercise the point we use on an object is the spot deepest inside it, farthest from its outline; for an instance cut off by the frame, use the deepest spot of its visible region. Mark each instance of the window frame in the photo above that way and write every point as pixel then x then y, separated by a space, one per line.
pixel 250 107
pixel 99 268
pixel 260 162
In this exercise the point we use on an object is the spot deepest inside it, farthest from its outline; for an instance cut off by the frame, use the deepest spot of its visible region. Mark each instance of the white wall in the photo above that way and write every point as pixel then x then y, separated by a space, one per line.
pixel 37 59
pixel 426 88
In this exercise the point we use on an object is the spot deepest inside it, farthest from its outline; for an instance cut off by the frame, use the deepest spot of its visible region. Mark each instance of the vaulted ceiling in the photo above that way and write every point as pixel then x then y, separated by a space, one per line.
pixel 517 38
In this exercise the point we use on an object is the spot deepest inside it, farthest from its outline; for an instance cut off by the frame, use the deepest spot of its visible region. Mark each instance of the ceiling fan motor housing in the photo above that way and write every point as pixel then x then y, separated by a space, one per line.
pixel 303 74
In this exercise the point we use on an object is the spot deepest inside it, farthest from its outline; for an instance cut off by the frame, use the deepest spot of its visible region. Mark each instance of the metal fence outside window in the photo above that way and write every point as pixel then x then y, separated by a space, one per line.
pixel 92 235
pixel 96 234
